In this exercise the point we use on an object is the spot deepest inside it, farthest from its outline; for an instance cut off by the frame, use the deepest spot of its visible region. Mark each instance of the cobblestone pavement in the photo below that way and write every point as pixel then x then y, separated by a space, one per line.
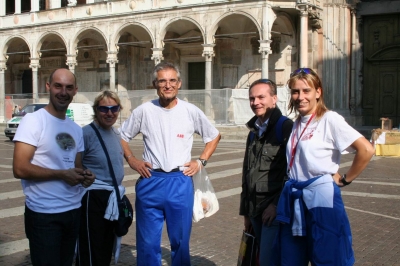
pixel 372 203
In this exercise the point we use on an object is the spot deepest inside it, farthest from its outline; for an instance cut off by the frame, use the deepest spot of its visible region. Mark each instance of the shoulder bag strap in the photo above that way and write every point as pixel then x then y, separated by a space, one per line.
pixel 108 161
pixel 278 128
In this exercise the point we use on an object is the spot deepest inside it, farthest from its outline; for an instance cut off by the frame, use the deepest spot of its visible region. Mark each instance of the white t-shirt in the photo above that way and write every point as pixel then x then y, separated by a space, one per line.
pixel 319 150
pixel 57 142
pixel 168 133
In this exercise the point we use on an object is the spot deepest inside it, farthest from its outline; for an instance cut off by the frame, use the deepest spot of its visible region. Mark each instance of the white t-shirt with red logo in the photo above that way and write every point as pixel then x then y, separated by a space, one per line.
pixel 168 133
pixel 319 149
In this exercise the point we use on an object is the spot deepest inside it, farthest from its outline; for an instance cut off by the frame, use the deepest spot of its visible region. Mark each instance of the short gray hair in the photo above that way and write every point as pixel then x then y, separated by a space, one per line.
pixel 163 66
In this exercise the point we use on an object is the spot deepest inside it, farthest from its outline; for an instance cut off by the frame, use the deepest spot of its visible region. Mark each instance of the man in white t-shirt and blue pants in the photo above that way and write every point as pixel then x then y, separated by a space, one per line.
pixel 165 189
pixel 47 159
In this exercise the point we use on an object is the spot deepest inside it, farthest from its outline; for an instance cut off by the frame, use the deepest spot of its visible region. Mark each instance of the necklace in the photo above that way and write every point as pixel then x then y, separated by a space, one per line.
pixel 294 146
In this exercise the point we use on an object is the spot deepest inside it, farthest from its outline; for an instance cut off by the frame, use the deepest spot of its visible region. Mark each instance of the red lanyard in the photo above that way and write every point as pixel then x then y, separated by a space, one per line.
pixel 294 147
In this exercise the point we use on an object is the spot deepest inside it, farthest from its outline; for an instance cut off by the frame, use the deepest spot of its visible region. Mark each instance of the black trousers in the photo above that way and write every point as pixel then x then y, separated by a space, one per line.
pixel 52 236
pixel 96 234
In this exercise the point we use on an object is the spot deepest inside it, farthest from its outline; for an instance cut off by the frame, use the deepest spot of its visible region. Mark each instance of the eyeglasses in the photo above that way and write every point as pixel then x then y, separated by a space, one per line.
pixel 112 108
pixel 163 82
pixel 302 70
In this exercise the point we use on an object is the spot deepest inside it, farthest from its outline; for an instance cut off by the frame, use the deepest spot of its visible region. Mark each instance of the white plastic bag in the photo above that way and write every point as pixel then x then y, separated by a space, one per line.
pixel 205 200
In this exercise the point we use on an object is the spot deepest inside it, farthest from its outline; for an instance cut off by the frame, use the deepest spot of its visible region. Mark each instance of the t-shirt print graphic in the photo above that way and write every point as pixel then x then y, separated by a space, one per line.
pixel 308 135
pixel 65 141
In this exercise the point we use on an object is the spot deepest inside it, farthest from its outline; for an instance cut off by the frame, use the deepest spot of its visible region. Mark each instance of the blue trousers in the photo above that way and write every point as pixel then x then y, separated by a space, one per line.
pixel 328 240
pixel 52 237
pixel 265 236
pixel 169 197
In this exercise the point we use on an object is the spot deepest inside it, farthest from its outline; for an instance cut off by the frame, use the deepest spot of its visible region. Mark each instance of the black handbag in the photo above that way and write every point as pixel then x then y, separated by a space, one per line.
pixel 125 209
pixel 248 251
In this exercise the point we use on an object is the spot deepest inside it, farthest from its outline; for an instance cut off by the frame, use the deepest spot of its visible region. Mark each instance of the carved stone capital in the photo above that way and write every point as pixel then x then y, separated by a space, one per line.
pixel 3 66
pixel 112 58
pixel 112 62
pixel 157 55
pixel 208 51
pixel 265 48
pixel 34 64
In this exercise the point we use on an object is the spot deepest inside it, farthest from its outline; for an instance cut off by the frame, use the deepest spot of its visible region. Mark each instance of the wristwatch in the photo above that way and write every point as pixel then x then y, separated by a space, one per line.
pixel 203 161
pixel 343 180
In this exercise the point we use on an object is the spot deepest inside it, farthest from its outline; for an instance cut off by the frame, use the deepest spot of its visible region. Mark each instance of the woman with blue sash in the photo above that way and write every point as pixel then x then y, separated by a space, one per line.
pixel 314 224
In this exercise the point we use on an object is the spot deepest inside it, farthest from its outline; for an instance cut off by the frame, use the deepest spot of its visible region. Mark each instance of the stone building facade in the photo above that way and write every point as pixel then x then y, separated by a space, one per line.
pixel 217 44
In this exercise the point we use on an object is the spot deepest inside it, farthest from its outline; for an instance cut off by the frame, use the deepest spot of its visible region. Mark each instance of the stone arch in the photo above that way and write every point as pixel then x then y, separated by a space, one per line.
pixel 283 48
pixel 17 50
pixel 84 32
pixel 214 27
pixel 122 29
pixel 167 25
pixel 43 37
pixel 91 47
pixel 134 42
pixel 13 38
pixel 236 37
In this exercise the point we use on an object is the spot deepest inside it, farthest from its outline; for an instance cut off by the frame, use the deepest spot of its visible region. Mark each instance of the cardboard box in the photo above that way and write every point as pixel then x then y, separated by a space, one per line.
pixel 386 123
pixel 392 138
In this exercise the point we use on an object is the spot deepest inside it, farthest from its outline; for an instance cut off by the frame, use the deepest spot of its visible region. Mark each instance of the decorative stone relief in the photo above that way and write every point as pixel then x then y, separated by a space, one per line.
pixel 71 2
pixel 315 20
pixel 132 5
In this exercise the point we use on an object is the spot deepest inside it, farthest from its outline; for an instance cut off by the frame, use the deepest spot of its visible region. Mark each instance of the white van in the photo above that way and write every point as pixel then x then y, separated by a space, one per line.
pixel 80 113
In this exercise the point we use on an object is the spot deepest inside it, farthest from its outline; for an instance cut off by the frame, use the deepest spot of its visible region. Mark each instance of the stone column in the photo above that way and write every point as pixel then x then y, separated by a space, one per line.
pixel 265 50
pixel 34 5
pixel 17 6
pixel 71 62
pixel 35 67
pixel 353 64
pixel 55 4
pixel 208 54
pixel 157 55
pixel 112 60
pixel 303 37
pixel 2 8
pixel 3 68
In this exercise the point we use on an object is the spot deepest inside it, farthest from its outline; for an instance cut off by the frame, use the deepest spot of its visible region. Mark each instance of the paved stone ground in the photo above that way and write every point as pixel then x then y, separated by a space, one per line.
pixel 372 204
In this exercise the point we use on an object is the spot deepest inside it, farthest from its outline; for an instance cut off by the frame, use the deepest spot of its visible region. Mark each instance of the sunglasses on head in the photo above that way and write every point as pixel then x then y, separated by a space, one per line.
pixel 267 81
pixel 302 71
pixel 112 108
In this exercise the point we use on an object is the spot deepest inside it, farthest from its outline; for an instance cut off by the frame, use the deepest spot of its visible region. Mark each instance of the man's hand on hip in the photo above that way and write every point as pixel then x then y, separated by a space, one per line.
pixel 140 166
pixel 192 167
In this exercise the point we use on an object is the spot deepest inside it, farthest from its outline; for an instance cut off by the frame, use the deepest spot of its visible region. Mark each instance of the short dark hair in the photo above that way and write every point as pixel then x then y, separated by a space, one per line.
pixel 272 85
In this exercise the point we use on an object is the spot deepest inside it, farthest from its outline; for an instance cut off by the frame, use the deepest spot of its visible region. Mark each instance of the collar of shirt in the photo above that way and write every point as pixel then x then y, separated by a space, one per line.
pixel 261 127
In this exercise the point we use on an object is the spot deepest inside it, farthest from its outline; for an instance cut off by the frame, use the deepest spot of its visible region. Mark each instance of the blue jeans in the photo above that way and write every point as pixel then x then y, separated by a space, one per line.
pixel 169 197
pixel 52 236
pixel 265 236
